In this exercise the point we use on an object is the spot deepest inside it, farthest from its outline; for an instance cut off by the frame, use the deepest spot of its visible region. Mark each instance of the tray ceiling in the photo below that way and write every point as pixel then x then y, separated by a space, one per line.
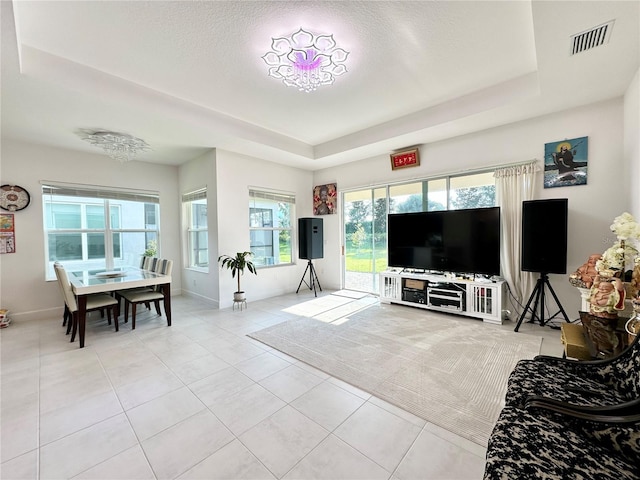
pixel 188 76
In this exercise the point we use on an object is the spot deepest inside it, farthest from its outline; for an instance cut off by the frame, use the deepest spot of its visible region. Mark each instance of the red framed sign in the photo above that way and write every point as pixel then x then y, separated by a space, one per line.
pixel 407 158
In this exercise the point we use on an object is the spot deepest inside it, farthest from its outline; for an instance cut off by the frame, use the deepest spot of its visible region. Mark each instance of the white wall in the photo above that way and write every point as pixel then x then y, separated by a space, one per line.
pixel 194 175
pixel 592 207
pixel 23 287
pixel 236 173
pixel 613 184
pixel 632 143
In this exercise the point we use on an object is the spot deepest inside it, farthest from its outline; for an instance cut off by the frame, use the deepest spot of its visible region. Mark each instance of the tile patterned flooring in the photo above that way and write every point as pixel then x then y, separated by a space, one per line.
pixel 202 400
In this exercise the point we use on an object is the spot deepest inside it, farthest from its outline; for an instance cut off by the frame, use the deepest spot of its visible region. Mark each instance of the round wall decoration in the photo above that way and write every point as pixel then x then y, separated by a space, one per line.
pixel 13 198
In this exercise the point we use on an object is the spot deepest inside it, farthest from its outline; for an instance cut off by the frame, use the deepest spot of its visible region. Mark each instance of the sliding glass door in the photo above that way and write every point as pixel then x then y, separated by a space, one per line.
pixel 365 238
pixel 365 218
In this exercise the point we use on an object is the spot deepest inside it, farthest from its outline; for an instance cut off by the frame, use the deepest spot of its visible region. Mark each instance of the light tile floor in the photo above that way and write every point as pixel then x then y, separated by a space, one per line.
pixel 202 400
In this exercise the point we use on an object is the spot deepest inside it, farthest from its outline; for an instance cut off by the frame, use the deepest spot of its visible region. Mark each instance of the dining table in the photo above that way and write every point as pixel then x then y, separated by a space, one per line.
pixel 86 282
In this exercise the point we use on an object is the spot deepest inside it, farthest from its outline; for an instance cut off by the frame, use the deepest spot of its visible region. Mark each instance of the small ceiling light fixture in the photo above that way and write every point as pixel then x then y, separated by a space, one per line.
pixel 119 146
pixel 305 61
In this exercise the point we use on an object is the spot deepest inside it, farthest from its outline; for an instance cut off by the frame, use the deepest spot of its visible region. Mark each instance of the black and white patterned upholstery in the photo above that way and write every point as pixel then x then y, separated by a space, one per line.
pixel 566 419
pixel 598 382
pixel 624 439
pixel 537 444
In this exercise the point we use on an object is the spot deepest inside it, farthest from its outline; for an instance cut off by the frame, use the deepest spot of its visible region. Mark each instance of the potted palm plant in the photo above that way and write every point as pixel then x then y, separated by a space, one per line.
pixel 237 265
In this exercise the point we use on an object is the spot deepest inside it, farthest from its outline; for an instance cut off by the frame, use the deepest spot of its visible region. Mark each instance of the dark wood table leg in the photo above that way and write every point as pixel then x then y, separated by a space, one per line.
pixel 166 291
pixel 82 317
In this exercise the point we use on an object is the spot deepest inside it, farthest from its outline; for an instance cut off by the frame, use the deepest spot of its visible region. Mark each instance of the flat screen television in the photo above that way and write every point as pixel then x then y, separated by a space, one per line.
pixel 458 241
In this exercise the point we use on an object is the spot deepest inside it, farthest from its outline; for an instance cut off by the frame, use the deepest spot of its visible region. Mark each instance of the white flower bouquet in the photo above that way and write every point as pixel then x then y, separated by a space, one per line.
pixel 625 227
pixel 623 251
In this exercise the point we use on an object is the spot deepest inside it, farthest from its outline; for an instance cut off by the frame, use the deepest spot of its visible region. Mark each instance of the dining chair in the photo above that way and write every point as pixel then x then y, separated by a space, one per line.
pixel 96 301
pixel 151 263
pixel 155 265
pixel 135 296
pixel 146 263
pixel 66 316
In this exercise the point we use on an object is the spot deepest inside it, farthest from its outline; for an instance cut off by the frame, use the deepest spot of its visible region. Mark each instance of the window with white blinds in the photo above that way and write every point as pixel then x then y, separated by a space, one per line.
pixel 94 227
pixel 195 211
pixel 271 217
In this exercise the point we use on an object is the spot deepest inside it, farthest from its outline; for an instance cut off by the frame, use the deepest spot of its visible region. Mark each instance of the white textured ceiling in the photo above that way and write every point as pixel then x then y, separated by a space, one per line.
pixel 187 76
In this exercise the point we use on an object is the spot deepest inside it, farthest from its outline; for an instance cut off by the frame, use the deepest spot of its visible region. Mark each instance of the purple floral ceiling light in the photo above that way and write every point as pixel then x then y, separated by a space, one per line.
pixel 305 61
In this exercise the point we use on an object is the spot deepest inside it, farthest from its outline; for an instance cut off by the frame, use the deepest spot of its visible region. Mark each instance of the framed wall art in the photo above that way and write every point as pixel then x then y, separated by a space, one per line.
pixel 7 233
pixel 565 162
pixel 325 199
pixel 404 159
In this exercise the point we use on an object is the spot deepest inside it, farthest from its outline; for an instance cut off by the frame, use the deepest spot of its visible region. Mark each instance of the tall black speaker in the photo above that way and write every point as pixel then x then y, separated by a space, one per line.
pixel 310 238
pixel 544 235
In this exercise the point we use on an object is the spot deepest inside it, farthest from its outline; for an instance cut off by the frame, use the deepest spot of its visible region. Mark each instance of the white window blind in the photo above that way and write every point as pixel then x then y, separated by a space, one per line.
pixel 98 227
pixel 273 196
pixel 112 193
pixel 195 195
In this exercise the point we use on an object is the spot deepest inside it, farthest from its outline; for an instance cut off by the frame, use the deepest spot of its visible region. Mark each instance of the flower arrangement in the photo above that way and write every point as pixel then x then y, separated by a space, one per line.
pixel 625 227
pixel 623 250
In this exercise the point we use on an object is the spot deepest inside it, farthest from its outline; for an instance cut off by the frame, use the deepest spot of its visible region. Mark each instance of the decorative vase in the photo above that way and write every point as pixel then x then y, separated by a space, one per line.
pixel 606 298
pixel 605 334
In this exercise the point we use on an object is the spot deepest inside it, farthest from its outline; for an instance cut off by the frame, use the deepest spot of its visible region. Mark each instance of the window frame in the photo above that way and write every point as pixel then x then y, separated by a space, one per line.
pixel 446 193
pixel 257 195
pixel 85 231
pixel 193 232
pixel 86 196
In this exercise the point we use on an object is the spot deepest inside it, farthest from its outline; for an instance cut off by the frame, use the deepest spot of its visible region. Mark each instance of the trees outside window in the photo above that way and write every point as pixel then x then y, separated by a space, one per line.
pixel 270 227
pixel 365 217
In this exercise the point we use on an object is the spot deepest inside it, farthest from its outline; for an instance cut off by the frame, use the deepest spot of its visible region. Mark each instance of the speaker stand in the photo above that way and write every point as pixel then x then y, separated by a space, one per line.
pixel 538 294
pixel 313 279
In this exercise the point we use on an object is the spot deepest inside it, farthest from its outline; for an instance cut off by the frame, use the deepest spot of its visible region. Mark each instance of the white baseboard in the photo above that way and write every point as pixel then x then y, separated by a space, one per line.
pixel 214 303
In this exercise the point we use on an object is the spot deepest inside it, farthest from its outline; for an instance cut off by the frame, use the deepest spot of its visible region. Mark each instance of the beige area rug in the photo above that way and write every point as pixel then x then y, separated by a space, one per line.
pixel 451 372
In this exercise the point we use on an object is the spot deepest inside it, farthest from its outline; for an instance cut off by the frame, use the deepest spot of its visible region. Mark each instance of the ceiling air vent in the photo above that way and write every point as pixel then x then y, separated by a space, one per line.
pixel 594 37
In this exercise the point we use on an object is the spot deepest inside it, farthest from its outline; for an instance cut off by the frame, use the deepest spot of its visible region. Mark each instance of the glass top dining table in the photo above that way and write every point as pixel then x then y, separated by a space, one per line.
pixel 86 282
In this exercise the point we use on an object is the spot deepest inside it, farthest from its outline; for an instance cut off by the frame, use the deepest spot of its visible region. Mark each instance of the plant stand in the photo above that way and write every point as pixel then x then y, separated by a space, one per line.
pixel 239 304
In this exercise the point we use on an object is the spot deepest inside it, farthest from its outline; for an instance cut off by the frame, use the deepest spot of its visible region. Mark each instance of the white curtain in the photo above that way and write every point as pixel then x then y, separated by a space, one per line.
pixel 515 184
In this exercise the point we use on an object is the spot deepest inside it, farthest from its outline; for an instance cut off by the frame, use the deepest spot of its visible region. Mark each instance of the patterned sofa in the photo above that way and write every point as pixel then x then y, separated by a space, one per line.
pixel 565 419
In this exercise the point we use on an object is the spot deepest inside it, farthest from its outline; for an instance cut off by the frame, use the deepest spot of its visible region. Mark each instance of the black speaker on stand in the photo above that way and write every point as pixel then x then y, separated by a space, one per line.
pixel 310 246
pixel 544 250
